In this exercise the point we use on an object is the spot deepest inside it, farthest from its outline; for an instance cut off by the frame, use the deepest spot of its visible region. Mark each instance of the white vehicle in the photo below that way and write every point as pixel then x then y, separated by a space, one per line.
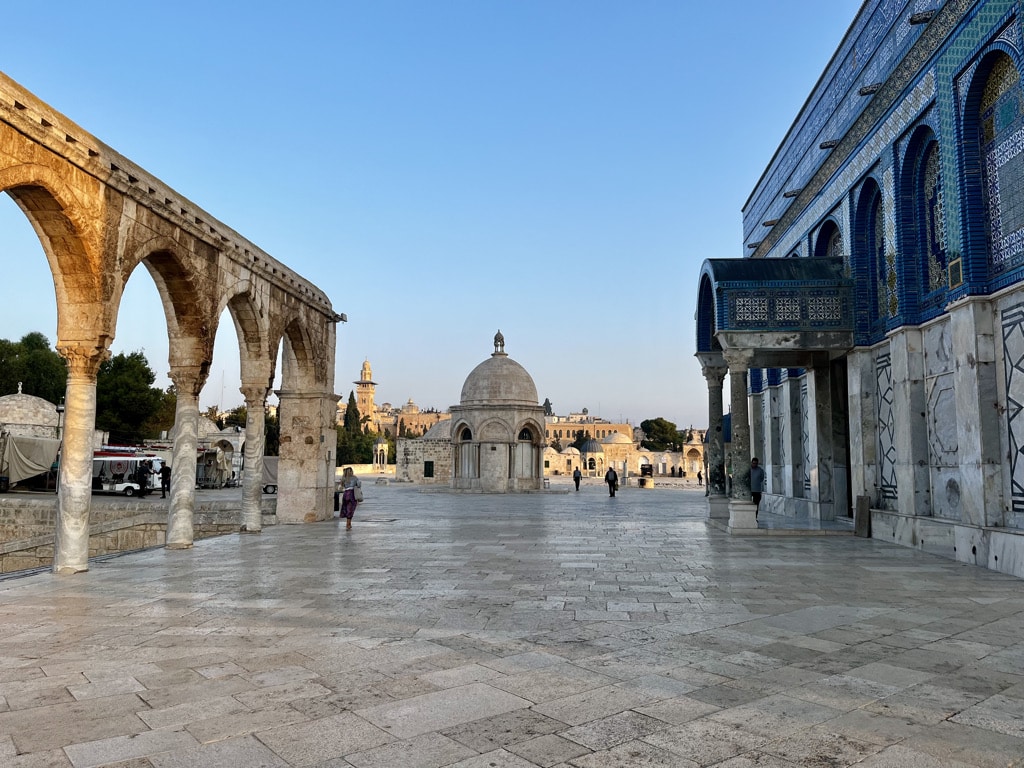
pixel 127 474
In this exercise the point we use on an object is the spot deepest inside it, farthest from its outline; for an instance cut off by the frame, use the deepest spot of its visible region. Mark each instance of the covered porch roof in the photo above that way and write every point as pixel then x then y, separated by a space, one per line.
pixel 784 313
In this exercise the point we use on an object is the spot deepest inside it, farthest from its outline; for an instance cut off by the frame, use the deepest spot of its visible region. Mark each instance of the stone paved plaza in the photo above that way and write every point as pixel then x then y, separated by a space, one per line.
pixel 487 631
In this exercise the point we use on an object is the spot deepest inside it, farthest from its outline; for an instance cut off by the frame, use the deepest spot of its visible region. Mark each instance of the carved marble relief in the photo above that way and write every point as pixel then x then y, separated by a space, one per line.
pixel 886 433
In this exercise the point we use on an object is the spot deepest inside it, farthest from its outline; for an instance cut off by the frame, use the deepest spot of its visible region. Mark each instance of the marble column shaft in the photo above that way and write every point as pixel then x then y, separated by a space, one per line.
pixel 180 526
pixel 739 453
pixel 252 475
pixel 74 493
pixel 819 442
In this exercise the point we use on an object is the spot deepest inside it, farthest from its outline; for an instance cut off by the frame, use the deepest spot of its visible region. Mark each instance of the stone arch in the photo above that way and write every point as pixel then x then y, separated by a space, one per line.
pixel 993 111
pixel 257 360
pixel 922 224
pixel 75 261
pixel 493 430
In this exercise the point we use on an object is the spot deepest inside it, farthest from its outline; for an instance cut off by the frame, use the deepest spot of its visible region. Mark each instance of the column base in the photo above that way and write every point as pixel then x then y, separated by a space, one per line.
pixel 742 515
pixel 246 529
pixel 718 507
pixel 179 546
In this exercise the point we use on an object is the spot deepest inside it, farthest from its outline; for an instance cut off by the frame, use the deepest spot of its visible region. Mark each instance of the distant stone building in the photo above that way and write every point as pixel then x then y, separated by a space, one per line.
pixel 406 421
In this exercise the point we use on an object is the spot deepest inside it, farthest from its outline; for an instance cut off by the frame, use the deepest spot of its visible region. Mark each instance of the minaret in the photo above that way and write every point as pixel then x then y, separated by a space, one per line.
pixel 365 388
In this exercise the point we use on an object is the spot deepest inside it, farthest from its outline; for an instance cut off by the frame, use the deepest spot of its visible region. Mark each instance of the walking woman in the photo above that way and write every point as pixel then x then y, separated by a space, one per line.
pixel 351 495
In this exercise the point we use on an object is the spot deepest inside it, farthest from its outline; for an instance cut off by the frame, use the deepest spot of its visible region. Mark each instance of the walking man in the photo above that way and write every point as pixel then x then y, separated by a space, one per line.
pixel 612 478
pixel 576 476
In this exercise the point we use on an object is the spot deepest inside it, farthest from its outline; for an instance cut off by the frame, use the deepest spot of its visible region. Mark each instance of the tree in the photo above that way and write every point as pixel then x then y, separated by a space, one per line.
pixel 34 364
pixel 579 438
pixel 236 417
pixel 125 397
pixel 549 410
pixel 557 444
pixel 213 414
pixel 162 419
pixel 351 422
pixel 662 435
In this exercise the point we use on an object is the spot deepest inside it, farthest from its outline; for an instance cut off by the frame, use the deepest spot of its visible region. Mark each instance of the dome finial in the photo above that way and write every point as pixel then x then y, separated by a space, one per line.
pixel 499 344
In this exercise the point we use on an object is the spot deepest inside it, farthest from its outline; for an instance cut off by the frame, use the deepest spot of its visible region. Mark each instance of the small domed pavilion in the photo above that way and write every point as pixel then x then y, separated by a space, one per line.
pixel 497 430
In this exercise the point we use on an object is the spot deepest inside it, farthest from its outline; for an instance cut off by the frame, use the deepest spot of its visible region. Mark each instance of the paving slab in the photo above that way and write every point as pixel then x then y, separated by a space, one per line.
pixel 552 630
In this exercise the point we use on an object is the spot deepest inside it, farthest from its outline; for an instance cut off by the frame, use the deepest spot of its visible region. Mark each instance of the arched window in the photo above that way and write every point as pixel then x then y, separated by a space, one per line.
pixel 1001 137
pixel 466 435
pixel 830 241
pixel 932 219
pixel 524 434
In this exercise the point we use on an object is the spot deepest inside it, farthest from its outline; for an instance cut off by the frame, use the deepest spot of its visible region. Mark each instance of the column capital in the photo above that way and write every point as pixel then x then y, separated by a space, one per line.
pixel 188 379
pixel 254 394
pixel 738 359
pixel 83 361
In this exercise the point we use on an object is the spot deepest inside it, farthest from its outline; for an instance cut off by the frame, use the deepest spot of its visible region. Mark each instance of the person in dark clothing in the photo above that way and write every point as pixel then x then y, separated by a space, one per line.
pixel 612 478
pixel 756 484
pixel 576 477
pixel 165 480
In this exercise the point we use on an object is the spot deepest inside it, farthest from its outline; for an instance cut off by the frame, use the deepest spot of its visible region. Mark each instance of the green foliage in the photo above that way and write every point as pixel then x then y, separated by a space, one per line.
pixel 351 423
pixel 557 444
pixel 36 365
pixel 355 448
pixel 662 435
pixel 162 419
pixel 549 409
pixel 236 417
pixel 579 438
pixel 125 397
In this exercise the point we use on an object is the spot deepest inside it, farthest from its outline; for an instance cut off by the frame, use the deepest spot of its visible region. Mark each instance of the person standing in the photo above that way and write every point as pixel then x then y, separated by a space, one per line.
pixel 612 478
pixel 700 478
pixel 351 495
pixel 165 480
pixel 756 484
pixel 576 477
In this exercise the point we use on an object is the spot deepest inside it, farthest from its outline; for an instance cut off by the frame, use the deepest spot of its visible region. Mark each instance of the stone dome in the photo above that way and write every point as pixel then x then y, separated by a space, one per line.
pixel 570 451
pixel 591 446
pixel 499 380
pixel 617 438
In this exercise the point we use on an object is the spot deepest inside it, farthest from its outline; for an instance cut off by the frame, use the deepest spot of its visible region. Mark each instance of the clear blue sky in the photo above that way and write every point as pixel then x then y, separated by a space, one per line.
pixel 557 169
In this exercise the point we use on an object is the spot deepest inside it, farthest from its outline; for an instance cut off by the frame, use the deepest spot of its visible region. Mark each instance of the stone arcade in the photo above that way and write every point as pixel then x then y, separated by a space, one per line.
pixel 874 338
pixel 99 217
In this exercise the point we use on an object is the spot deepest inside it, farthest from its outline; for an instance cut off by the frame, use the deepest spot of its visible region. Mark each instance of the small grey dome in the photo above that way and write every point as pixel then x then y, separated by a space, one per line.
pixel 499 380
pixel 591 446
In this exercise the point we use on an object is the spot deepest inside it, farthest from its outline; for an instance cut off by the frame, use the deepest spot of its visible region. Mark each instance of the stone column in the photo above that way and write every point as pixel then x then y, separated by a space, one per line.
pixel 791 441
pixel 913 474
pixel 74 494
pixel 252 475
pixel 741 509
pixel 714 370
pixel 771 458
pixel 188 383
pixel 977 420
pixel 305 472
pixel 819 443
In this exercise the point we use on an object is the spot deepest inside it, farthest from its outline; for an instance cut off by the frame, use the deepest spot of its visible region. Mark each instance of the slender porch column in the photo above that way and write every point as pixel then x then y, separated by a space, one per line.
pixel 252 475
pixel 819 443
pixel 74 494
pixel 741 508
pixel 860 366
pixel 188 382
pixel 714 370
